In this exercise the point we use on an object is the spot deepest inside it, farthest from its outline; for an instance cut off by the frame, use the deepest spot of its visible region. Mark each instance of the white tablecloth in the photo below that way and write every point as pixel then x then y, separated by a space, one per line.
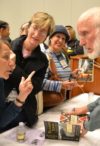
pixel 90 139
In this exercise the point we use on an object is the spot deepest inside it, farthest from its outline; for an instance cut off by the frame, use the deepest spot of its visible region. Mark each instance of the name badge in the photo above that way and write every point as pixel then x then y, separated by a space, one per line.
pixel 63 63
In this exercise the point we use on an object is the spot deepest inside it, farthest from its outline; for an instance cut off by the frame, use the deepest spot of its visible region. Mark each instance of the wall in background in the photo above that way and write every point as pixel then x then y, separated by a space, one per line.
pixel 65 12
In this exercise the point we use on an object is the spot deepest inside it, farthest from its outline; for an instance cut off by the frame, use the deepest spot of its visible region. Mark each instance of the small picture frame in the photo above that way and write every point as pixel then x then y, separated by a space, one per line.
pixel 86 70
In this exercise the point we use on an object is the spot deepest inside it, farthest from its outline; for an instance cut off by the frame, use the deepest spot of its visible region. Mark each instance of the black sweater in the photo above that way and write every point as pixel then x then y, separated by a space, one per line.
pixel 24 66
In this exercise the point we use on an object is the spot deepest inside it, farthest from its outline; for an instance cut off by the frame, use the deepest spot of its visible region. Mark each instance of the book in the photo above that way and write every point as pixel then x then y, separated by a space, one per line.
pixel 69 129
pixel 51 130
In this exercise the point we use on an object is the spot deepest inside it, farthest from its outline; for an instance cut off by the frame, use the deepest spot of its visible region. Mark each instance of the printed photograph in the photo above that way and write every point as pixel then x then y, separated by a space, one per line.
pixel 86 70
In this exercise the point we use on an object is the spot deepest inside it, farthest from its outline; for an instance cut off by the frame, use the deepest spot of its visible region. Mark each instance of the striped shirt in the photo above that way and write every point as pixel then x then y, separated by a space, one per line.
pixel 63 73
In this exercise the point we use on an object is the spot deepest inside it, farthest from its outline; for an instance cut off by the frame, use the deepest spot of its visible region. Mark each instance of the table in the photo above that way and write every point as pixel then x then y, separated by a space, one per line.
pixel 90 139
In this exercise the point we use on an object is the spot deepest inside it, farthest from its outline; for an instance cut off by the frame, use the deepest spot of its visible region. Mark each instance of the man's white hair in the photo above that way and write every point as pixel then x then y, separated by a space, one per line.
pixel 92 13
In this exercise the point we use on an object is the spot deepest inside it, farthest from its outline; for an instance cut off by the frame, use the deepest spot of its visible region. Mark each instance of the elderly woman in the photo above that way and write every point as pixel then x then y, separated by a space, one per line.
pixel 10 111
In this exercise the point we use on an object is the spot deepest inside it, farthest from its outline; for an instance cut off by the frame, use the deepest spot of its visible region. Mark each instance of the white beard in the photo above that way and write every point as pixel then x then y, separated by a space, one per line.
pixel 93 55
pixel 96 52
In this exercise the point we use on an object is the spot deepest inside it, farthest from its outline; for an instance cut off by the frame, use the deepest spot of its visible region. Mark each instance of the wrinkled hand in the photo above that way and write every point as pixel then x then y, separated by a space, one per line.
pixel 78 111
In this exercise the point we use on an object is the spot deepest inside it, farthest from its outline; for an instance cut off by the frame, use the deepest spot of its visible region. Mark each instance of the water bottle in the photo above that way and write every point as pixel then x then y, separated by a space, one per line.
pixel 21 132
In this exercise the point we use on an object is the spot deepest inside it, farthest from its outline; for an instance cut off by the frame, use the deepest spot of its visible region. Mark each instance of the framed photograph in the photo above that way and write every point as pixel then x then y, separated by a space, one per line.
pixel 86 70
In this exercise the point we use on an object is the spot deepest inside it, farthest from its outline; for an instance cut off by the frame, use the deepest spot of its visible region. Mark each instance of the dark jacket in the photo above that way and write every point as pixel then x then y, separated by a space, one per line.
pixel 94 117
pixel 8 111
pixel 75 48
pixel 24 66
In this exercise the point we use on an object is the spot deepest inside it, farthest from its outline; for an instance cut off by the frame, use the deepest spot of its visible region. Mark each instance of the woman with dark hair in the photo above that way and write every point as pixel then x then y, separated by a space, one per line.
pixel 10 111
pixel 5 31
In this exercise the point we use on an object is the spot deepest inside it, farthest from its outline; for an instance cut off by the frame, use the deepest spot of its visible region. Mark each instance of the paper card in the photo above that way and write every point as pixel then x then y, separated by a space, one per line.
pixel 68 118
pixel 69 128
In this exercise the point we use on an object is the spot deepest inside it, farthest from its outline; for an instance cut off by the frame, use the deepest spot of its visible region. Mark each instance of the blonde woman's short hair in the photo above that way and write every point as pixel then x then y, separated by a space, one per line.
pixel 44 20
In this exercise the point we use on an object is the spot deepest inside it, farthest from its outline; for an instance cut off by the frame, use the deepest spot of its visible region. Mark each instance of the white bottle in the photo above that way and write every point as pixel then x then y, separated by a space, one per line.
pixel 20 135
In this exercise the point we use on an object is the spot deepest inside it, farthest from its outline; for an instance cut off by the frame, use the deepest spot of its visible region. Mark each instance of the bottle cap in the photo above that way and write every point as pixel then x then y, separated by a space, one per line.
pixel 21 123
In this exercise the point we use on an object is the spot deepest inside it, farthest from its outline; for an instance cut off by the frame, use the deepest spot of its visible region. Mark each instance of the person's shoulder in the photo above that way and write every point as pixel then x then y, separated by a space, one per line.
pixel 18 42
pixel 1 80
pixel 42 56
pixel 19 39
pixel 1 83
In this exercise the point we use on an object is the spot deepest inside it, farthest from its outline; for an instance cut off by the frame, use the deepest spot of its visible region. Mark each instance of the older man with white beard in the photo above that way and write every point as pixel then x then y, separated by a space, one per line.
pixel 88 27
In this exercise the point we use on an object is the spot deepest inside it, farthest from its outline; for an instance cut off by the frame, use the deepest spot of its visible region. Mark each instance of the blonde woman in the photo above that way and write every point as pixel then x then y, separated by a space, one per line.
pixel 28 58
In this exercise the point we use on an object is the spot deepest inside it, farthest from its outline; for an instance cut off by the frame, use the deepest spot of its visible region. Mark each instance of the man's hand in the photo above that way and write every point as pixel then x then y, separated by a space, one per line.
pixel 78 111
